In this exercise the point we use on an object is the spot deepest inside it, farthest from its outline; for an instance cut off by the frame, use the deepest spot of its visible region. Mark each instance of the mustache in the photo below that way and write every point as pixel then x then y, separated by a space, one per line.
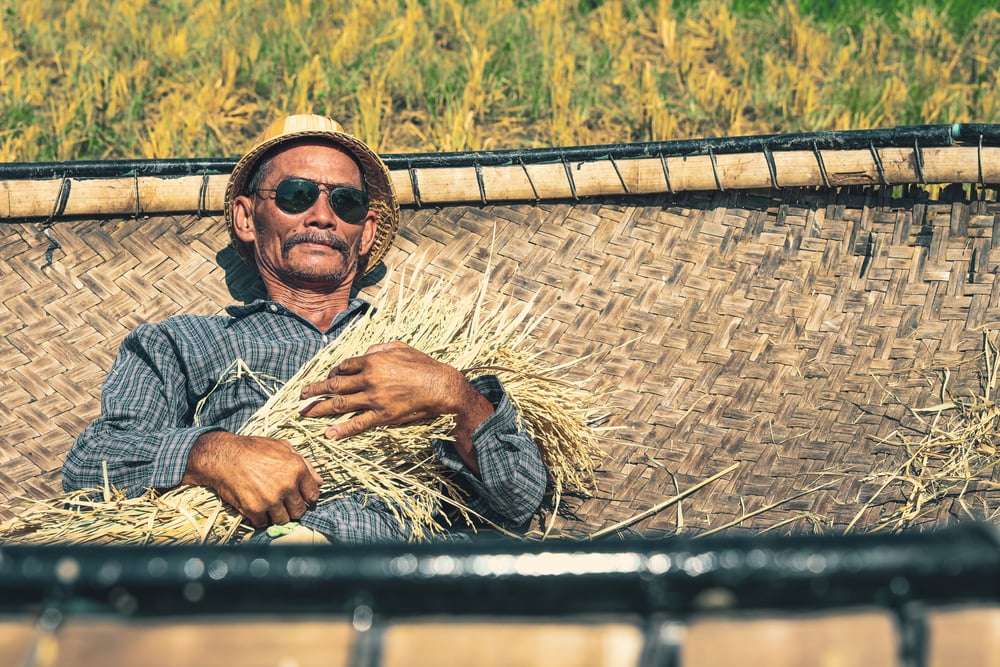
pixel 314 237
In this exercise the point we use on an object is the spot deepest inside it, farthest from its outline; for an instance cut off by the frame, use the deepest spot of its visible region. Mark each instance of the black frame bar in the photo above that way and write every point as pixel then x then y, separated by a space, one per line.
pixel 674 576
pixel 657 583
pixel 926 136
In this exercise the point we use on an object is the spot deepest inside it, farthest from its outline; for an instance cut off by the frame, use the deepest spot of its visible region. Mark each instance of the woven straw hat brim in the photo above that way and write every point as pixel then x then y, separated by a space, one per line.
pixel 375 173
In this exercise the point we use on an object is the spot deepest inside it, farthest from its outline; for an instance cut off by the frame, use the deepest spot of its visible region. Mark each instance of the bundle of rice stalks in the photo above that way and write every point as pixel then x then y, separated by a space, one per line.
pixel 951 454
pixel 188 514
pixel 396 465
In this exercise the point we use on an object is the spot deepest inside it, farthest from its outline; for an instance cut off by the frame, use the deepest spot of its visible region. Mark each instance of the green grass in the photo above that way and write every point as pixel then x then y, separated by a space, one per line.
pixel 852 14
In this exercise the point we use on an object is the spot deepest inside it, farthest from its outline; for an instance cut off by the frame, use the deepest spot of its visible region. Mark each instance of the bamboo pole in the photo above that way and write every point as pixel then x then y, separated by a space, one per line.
pixel 127 197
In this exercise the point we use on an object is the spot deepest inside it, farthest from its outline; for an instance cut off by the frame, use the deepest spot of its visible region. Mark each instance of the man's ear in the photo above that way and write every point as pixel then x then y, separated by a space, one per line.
pixel 243 225
pixel 368 233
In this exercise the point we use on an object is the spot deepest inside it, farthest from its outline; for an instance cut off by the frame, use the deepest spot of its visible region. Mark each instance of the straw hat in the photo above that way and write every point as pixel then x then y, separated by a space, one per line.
pixel 375 173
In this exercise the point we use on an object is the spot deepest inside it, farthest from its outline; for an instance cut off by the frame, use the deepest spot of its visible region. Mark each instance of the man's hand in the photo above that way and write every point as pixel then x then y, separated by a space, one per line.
pixel 395 384
pixel 264 479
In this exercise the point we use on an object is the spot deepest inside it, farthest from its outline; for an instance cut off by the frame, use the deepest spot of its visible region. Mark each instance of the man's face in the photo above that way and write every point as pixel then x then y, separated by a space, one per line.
pixel 314 248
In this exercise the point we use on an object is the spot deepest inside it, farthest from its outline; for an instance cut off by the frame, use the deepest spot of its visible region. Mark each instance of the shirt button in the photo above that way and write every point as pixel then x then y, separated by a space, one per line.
pixel 274 308
pixel 326 339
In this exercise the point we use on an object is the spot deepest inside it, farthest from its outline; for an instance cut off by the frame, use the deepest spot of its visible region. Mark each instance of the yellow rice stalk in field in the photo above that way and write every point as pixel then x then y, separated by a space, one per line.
pixel 103 78
pixel 394 464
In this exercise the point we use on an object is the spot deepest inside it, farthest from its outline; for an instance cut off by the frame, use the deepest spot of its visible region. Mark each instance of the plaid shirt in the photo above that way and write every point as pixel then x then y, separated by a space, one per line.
pixel 145 431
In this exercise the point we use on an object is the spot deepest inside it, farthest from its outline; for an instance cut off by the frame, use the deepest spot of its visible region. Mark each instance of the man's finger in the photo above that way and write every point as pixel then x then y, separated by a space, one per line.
pixel 309 484
pixel 335 384
pixel 278 514
pixel 256 519
pixel 344 384
pixel 353 426
pixel 337 405
pixel 295 506
pixel 315 475
pixel 350 366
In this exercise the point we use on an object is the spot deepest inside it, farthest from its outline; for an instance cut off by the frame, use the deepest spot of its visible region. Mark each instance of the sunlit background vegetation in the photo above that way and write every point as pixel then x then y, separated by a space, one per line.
pixel 125 78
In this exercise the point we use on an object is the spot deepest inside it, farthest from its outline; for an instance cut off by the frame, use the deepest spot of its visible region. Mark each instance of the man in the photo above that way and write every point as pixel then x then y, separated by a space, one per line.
pixel 312 208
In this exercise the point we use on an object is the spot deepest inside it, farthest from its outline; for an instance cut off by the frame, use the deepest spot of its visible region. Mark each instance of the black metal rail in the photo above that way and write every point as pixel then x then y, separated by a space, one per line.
pixel 676 576
pixel 658 583
pixel 924 136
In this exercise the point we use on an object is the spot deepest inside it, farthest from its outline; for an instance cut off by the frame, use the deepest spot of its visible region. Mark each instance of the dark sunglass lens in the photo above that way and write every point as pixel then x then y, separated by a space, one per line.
pixel 294 195
pixel 350 204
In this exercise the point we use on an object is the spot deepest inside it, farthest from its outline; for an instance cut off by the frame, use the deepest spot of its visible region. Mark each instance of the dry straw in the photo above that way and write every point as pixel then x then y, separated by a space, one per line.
pixel 951 454
pixel 395 465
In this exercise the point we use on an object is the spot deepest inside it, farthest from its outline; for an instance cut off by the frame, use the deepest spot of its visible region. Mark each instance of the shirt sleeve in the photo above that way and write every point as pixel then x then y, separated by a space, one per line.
pixel 144 432
pixel 512 477
pixel 357 519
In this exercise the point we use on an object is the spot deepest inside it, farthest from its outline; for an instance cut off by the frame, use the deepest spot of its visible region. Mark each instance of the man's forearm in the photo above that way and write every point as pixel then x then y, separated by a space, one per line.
pixel 204 458
pixel 475 409
pixel 511 478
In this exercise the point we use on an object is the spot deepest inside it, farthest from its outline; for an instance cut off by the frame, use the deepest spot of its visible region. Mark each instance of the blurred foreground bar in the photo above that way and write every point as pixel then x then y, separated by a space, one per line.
pixel 500 577
pixel 912 600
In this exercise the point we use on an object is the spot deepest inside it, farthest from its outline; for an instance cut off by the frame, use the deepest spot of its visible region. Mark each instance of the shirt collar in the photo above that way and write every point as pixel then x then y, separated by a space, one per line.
pixel 238 312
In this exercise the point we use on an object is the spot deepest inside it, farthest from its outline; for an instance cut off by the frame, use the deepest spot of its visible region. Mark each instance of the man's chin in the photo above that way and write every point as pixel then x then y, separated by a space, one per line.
pixel 316 278
pixel 324 274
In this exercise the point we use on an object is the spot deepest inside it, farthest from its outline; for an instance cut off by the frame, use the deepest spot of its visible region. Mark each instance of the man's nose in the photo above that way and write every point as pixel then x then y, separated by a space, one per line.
pixel 322 214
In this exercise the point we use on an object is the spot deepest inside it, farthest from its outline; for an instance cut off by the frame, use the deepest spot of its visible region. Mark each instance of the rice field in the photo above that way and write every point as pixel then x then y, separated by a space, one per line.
pixel 126 78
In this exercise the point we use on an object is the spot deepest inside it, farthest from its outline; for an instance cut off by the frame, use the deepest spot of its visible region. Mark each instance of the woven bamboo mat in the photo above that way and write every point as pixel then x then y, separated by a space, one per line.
pixel 766 329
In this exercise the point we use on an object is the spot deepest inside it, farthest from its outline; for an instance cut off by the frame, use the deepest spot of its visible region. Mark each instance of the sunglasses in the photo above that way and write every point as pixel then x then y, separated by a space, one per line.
pixel 295 195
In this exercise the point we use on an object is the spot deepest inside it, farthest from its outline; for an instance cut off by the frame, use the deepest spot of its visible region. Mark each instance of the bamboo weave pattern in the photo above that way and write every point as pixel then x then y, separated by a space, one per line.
pixel 727 327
